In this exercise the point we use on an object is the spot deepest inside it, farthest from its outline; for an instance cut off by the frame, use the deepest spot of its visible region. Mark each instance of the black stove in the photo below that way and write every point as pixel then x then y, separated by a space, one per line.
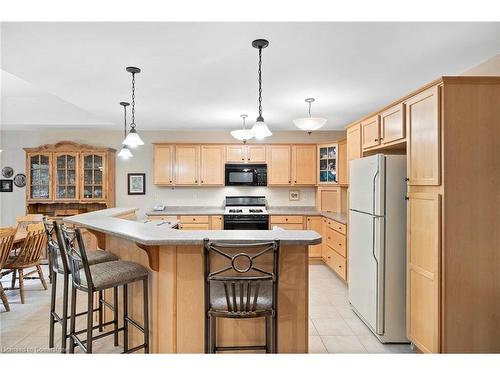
pixel 246 213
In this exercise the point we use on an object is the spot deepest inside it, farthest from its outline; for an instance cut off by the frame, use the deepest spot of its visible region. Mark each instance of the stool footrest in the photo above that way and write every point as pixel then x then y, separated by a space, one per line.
pixel 96 327
pixel 134 323
pixel 134 349
pixel 244 347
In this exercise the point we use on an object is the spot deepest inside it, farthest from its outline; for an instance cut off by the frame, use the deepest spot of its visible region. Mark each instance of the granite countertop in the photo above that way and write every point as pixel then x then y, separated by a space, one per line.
pixel 147 233
pixel 187 210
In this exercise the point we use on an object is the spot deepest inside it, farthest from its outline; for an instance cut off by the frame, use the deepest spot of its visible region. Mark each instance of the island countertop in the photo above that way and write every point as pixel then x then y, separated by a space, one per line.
pixel 107 221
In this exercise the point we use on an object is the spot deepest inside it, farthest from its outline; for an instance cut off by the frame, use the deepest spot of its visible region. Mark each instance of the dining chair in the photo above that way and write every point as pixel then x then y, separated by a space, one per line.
pixel 7 235
pixel 24 221
pixel 241 282
pixel 28 256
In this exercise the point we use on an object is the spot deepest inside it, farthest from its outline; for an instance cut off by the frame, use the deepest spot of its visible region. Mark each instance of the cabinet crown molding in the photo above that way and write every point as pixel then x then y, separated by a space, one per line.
pixel 67 146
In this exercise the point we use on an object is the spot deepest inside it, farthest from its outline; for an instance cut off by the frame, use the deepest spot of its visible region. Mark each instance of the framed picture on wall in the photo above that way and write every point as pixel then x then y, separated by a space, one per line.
pixel 136 183
pixel 6 186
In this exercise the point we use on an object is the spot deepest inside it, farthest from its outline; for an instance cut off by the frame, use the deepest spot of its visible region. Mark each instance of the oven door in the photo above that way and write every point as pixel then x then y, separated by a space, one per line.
pixel 246 223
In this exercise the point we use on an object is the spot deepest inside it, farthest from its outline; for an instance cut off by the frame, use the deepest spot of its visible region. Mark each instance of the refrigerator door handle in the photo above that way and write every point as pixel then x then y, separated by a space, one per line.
pixel 377 243
pixel 374 185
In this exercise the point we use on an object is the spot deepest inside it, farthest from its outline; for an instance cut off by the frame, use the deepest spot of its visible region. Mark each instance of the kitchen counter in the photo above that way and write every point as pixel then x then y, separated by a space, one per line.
pixel 187 210
pixel 341 217
pixel 175 263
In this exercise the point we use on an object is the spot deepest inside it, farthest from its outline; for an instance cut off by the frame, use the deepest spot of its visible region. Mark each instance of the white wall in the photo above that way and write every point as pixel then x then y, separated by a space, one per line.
pixel 13 204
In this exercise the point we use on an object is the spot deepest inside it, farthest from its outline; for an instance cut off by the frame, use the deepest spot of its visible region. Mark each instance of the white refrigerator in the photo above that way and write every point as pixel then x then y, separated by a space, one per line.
pixel 377 244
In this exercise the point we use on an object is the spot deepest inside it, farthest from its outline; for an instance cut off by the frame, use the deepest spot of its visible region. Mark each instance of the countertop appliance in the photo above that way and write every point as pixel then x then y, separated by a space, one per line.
pixel 377 244
pixel 246 174
pixel 246 213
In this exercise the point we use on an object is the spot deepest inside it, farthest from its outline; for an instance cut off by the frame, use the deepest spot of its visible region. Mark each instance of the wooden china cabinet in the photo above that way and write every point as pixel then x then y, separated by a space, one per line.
pixel 67 178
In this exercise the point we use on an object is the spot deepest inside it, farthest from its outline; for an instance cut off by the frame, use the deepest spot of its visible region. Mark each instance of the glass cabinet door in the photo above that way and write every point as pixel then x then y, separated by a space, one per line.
pixel 93 179
pixel 39 176
pixel 328 164
pixel 66 179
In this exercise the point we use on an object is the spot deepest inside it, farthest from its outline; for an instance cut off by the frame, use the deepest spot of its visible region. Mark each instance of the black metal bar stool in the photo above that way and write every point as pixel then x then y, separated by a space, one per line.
pixel 58 264
pixel 241 282
pixel 97 278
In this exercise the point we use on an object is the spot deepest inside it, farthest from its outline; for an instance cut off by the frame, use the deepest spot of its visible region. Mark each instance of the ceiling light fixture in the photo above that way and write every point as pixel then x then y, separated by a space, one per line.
pixel 309 124
pixel 242 134
pixel 260 129
pixel 133 140
pixel 125 152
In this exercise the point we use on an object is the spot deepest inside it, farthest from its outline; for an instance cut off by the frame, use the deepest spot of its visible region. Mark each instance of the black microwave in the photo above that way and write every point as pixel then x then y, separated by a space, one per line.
pixel 246 174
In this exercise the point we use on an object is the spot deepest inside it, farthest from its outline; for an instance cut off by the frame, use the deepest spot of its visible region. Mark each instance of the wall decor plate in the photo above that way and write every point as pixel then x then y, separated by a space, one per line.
pixel 20 180
pixel 7 172
pixel 6 186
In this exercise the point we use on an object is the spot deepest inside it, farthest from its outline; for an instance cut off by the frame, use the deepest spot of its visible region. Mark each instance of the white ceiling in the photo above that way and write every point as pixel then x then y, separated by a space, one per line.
pixel 204 75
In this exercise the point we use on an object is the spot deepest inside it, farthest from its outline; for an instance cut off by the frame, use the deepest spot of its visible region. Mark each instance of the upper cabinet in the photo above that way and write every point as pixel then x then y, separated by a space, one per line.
pixel 65 180
pixel 327 164
pixel 303 164
pixel 163 162
pixel 279 166
pixel 370 132
pixel 186 164
pixel 38 179
pixel 343 173
pixel 92 173
pixel 392 124
pixel 423 129
pixel 212 165
pixel 246 154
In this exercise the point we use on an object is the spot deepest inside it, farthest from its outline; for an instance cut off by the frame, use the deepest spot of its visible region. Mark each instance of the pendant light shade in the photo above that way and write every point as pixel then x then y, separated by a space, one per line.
pixel 309 124
pixel 260 130
pixel 133 140
pixel 242 134
pixel 125 152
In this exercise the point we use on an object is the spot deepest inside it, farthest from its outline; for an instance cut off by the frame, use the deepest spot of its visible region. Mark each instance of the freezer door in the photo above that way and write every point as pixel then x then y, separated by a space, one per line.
pixel 366 268
pixel 366 184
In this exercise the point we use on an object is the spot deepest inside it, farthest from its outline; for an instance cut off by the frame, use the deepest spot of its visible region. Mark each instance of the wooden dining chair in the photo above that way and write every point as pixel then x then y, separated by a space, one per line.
pixel 28 256
pixel 24 221
pixel 7 235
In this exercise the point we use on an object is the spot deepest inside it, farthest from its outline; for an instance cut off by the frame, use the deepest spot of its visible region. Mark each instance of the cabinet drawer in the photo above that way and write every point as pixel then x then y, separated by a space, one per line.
pixel 290 226
pixel 336 263
pixel 193 219
pixel 287 219
pixel 339 227
pixel 189 226
pixel 336 241
pixel 165 217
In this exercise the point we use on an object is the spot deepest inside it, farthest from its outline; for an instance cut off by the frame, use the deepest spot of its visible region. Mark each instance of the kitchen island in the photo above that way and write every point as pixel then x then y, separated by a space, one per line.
pixel 174 259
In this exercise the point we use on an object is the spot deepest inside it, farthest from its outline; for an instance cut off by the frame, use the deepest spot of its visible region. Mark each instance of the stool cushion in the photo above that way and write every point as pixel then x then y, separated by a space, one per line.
pixel 218 296
pixel 110 274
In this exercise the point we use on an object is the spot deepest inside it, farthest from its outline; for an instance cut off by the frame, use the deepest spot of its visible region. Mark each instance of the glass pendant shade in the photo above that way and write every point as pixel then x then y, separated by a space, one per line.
pixel 242 134
pixel 260 129
pixel 125 153
pixel 310 124
pixel 133 139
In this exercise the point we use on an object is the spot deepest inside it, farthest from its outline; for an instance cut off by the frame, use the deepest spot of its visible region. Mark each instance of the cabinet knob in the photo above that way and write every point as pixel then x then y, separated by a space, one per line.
pixel 407 179
pixel 329 238
pixel 201 181
pixel 340 244
pixel 170 181
pixel 295 181
pixel 289 181
pixel 407 198
pixel 242 158
pixel 196 181
pixel 375 140
pixel 286 219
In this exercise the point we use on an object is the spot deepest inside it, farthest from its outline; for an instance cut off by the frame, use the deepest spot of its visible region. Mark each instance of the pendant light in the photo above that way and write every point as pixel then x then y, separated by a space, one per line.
pixel 309 124
pixel 260 129
pixel 242 134
pixel 133 140
pixel 125 152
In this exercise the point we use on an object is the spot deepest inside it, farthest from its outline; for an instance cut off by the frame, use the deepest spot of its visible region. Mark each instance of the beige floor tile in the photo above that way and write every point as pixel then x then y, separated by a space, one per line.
pixel 343 344
pixel 312 329
pixel 316 345
pixel 331 327
pixel 373 345
pixel 345 311
pixel 324 311
pixel 357 326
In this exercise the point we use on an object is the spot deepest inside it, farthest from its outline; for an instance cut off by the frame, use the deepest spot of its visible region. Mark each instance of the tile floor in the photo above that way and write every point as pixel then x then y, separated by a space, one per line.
pixel 333 327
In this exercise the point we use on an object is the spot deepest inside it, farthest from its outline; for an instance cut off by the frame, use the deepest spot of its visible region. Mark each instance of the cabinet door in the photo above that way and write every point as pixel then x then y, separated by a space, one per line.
pixel 212 165
pixel 39 178
pixel 304 164
pixel 370 132
pixel 279 171
pixel 256 154
pixel 324 227
pixel 92 174
pixel 66 179
pixel 186 164
pixel 163 161
pixel 235 154
pixel 353 145
pixel 423 259
pixel 327 164
pixel 423 129
pixel 342 163
pixel 392 124
pixel 329 199
pixel 315 223
pixel 216 222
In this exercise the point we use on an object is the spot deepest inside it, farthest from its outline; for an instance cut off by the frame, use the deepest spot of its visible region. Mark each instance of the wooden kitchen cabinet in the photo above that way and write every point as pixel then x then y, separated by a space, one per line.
pixel 304 164
pixel 423 277
pixel 235 154
pixel 335 252
pixel 246 154
pixel 293 222
pixel 343 173
pixel 353 145
pixel 212 165
pixel 423 129
pixel 279 166
pixel 392 125
pixel 186 164
pixel 163 164
pixel 66 184
pixel 324 226
pixel 327 163
pixel 39 187
pixel 216 222
pixel 315 223
pixel 370 132
pixel 194 222
pixel 256 153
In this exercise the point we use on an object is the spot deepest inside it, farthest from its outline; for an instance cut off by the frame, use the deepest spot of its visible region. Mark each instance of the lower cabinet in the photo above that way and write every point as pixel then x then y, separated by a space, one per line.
pixel 315 223
pixel 216 222
pixel 335 251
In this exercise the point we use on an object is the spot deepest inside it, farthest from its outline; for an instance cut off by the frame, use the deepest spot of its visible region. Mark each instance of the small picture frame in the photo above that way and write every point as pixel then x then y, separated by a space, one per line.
pixel 136 183
pixel 6 186
pixel 293 195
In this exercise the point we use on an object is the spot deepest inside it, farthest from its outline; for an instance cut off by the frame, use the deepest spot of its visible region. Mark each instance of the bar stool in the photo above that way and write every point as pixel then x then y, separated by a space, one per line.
pixel 97 278
pixel 58 264
pixel 238 286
